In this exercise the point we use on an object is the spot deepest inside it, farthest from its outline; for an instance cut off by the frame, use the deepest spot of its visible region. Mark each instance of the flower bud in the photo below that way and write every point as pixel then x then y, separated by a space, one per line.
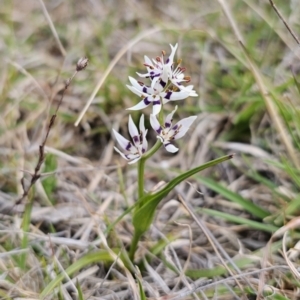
pixel 81 64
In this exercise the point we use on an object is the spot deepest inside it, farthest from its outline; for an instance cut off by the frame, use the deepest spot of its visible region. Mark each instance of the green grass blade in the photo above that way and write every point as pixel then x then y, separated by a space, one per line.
pixel 142 292
pixel 241 262
pixel 80 294
pixel 234 197
pixel 99 256
pixel 25 227
pixel 238 220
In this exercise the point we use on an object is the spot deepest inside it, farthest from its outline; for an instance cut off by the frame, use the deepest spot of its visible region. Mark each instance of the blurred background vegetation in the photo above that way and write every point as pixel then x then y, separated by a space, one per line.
pixel 244 64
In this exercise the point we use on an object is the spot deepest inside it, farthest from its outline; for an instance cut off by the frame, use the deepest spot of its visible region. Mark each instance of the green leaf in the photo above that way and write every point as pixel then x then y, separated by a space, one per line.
pixel 80 294
pixel 142 292
pixel 234 197
pixel 50 182
pixel 143 215
pixel 296 81
pixel 252 224
pixel 240 262
pixel 94 257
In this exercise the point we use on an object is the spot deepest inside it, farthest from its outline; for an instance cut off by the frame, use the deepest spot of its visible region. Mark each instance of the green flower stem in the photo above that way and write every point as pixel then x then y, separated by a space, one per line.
pixel 161 117
pixel 141 167
pixel 133 245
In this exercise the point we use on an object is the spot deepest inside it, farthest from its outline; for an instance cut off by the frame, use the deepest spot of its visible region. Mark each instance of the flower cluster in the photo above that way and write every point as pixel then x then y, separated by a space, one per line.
pixel 166 85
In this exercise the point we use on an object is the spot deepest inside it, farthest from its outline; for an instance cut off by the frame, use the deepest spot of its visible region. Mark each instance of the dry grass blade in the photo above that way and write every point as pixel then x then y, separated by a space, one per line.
pixel 285 22
pixel 112 64
pixel 52 27
pixel 26 73
pixel 290 264
pixel 284 136
pixel 214 243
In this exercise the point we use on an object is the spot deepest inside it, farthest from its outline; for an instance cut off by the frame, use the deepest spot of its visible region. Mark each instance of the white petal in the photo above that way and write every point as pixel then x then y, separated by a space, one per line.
pixel 155 124
pixel 158 86
pixel 138 106
pixel 173 96
pixel 131 158
pixel 148 61
pixel 145 142
pixel 165 74
pixel 122 154
pixel 185 125
pixel 133 81
pixel 154 82
pixel 156 109
pixel 193 94
pixel 171 57
pixel 160 138
pixel 143 89
pixel 142 124
pixel 121 140
pixel 168 120
pixel 180 77
pixel 134 90
pixel 170 147
pixel 190 89
pixel 134 133
pixel 135 160
pixel 143 75
pixel 143 131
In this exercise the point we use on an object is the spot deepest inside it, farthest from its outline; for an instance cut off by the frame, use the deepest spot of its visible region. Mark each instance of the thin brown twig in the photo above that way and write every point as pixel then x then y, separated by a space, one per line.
pixel 81 65
pixel 284 22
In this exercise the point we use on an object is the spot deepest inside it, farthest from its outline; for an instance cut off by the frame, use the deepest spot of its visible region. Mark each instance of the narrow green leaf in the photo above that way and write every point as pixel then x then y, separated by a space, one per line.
pixel 99 256
pixel 49 183
pixel 142 292
pixel 25 227
pixel 240 262
pixel 252 224
pixel 296 81
pixel 80 294
pixel 143 216
pixel 234 197
pixel 277 296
